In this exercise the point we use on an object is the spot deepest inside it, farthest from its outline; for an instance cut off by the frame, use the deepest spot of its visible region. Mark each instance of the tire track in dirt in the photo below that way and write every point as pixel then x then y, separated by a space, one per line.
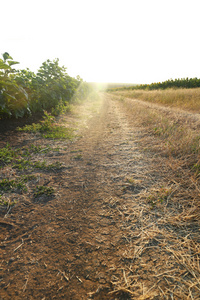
pixel 109 157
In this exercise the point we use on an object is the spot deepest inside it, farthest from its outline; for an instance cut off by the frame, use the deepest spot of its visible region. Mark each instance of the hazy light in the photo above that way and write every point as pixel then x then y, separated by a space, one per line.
pixel 137 41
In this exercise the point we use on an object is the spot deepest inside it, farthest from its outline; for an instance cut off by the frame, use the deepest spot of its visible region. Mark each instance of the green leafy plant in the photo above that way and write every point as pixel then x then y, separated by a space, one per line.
pixel 11 185
pixel 55 166
pixel 78 157
pixel 7 154
pixel 49 129
pixel 43 190
pixel 13 97
pixel 27 178
pixel 21 164
pixel 59 132
pixel 39 149
pixel 61 108
pixel 51 88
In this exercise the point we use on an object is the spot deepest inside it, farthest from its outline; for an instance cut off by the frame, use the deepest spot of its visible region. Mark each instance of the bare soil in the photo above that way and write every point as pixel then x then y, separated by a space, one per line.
pixel 98 237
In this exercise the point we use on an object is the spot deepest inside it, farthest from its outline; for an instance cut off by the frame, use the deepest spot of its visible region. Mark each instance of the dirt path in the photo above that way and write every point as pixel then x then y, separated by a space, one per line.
pixel 97 238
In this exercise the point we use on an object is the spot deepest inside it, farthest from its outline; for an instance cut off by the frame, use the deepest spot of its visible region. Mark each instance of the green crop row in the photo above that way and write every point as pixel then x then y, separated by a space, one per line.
pixel 23 92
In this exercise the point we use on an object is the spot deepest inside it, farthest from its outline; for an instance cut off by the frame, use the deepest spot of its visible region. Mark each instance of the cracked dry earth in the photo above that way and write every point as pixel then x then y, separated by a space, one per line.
pixel 90 241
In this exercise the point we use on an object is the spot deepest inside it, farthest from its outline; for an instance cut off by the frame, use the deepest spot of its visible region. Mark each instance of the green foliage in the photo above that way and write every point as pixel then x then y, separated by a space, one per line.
pixel 59 133
pixel 10 155
pixel 187 83
pixel 18 184
pixel 52 85
pixel 15 158
pixel 35 127
pixel 13 98
pixel 61 109
pixel 51 88
pixel 177 83
pixel 78 157
pixel 12 185
pixel 43 190
pixel 21 164
pixel 48 122
pixel 18 164
pixel 7 154
pixel 23 92
pixel 39 149
pixel 49 129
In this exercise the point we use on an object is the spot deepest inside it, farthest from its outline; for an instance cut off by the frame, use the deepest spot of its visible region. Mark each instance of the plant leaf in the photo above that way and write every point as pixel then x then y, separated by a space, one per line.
pixel 11 62
pixel 3 66
pixel 6 56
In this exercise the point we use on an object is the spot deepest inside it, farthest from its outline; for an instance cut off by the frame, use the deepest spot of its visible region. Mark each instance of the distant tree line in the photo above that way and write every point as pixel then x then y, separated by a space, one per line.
pixel 171 83
pixel 176 83
pixel 23 92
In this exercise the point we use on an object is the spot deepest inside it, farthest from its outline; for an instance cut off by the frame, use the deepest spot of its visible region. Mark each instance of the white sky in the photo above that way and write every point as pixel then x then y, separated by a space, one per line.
pixel 133 41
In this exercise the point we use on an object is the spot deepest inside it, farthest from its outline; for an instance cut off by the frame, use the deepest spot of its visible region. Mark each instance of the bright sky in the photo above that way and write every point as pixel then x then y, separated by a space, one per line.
pixel 133 41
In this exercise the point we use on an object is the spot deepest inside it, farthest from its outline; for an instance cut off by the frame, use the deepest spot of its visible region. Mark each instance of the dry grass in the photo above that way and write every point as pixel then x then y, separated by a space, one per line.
pixel 188 99
pixel 161 258
pixel 177 131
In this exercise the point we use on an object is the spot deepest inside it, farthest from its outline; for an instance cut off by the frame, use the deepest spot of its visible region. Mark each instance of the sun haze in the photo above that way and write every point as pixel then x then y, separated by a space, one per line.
pixel 105 41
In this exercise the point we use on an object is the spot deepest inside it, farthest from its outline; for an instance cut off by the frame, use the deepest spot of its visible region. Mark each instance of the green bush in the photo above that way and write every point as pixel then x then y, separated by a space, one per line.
pixel 23 92
pixel 13 98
